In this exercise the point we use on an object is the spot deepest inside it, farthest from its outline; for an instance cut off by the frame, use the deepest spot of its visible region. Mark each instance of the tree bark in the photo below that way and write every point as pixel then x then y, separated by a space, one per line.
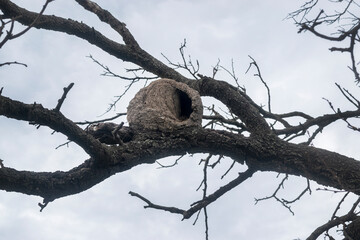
pixel 262 150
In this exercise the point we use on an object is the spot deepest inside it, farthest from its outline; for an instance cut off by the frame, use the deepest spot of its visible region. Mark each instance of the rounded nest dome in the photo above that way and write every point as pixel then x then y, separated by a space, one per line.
pixel 164 105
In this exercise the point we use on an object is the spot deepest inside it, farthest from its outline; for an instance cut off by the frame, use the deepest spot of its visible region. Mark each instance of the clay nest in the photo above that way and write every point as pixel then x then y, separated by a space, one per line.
pixel 165 105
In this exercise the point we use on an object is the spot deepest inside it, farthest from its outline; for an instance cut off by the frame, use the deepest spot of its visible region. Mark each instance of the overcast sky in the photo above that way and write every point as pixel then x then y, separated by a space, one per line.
pixel 299 70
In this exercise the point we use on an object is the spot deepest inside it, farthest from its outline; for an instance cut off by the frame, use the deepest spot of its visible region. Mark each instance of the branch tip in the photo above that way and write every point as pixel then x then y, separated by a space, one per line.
pixel 61 100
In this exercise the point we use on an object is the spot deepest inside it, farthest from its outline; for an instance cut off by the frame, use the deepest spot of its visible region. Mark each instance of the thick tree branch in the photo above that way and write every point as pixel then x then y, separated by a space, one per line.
pixel 107 17
pixel 54 185
pixel 325 167
pixel 131 53
pixel 236 102
pixel 206 86
pixel 37 114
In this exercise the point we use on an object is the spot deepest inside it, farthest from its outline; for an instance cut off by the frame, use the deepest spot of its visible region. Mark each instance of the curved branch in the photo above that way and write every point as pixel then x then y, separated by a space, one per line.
pixel 10 35
pixel 339 38
pixel 223 91
pixel 264 154
pixel 53 185
pixel 350 216
pixel 236 101
pixel 203 203
pixel 346 23
pixel 37 114
pixel 131 53
pixel 321 121
pixel 107 17
pixel 335 222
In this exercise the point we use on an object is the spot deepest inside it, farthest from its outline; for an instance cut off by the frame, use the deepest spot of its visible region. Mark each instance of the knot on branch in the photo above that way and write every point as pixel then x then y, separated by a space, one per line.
pixel 110 133
pixel 164 105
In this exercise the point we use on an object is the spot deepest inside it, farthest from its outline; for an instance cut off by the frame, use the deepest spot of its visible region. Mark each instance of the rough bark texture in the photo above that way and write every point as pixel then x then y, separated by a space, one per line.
pixel 263 149
pixel 353 230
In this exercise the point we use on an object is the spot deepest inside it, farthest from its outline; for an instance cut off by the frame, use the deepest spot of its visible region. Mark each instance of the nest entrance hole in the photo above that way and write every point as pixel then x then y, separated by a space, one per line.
pixel 185 103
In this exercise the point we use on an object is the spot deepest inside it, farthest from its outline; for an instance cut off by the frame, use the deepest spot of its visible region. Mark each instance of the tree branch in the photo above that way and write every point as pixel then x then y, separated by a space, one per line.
pixel 14 62
pixel 37 114
pixel 197 206
pixel 130 53
pixel 10 35
pixel 350 216
pixel 108 18
pixel 62 99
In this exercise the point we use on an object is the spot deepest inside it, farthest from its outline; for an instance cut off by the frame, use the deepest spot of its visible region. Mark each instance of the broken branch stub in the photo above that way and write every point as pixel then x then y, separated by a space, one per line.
pixel 165 105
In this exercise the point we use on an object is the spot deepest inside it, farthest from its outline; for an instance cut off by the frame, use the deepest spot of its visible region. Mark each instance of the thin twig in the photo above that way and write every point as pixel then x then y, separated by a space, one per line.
pixel 196 206
pixel 14 62
pixel 61 100
pixel 171 165
pixel 274 195
pixel 10 35
pixel 187 64
pixel 101 120
pixel 258 74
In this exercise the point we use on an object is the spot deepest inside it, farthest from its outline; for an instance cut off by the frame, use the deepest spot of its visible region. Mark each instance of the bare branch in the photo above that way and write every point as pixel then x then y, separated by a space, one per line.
pixel 62 99
pixel 171 165
pixel 349 96
pixel 101 120
pixel 206 164
pixel 187 64
pixel 155 206
pixel 258 74
pixel 321 122
pixel 339 205
pixel 221 119
pixel 109 73
pixel 136 78
pixel 232 73
pixel 107 17
pixel 274 195
pixel 195 207
pixel 14 62
pixel 37 114
pixel 346 23
pixel 307 189
pixel 350 216
pixel 10 35
pixel 320 230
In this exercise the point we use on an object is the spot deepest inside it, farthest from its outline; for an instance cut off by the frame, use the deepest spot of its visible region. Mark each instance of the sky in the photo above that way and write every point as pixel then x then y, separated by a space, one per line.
pixel 299 69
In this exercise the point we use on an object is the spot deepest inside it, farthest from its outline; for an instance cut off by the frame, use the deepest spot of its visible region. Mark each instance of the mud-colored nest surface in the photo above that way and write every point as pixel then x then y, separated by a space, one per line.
pixel 164 105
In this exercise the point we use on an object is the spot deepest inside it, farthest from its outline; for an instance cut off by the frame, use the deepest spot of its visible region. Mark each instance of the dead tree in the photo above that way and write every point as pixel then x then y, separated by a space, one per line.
pixel 249 135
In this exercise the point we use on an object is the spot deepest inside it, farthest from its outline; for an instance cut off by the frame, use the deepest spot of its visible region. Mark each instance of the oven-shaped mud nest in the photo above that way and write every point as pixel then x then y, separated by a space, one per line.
pixel 165 105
